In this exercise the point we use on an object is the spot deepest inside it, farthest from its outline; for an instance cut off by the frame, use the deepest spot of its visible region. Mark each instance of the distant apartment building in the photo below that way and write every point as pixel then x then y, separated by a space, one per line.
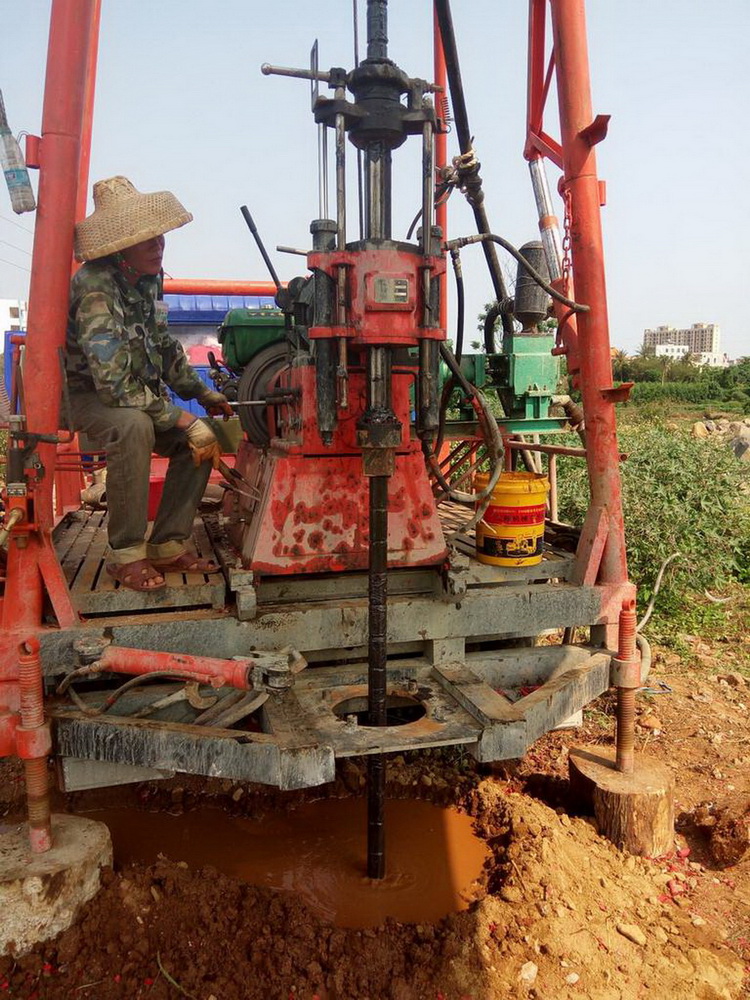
pixel 12 315
pixel 700 338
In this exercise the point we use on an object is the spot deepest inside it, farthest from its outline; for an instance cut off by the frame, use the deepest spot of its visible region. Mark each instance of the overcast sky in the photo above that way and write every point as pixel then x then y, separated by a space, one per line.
pixel 181 104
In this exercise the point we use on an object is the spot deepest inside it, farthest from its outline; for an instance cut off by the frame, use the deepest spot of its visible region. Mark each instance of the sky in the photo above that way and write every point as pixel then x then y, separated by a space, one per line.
pixel 181 104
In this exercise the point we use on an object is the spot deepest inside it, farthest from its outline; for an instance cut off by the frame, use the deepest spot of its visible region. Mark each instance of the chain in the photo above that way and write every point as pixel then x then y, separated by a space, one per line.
pixel 567 263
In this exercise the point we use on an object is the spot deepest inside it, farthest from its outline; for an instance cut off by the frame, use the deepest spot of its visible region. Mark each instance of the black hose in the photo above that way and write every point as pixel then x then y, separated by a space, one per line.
pixel 489 328
pixel 460 303
pixel 474 191
pixel 533 273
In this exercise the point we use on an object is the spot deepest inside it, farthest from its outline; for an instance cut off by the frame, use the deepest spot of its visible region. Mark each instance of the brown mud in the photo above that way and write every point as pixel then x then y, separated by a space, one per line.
pixel 316 852
pixel 557 912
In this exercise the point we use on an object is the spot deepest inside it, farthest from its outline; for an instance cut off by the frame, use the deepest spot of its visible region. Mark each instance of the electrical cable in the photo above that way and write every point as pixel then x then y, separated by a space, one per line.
pixel 12 264
pixel 14 247
pixel 657 585
pixel 17 224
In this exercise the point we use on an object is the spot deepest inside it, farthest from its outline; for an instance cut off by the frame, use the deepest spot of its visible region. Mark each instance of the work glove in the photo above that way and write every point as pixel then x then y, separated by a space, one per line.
pixel 203 444
pixel 216 404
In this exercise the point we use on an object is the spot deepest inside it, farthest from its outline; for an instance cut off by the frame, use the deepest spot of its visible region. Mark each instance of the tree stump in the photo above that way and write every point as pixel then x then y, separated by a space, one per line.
pixel 635 811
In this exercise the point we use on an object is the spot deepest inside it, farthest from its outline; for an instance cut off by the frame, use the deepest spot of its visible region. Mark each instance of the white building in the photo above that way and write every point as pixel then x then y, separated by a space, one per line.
pixel 674 351
pixel 12 315
pixel 700 338
pixel 703 359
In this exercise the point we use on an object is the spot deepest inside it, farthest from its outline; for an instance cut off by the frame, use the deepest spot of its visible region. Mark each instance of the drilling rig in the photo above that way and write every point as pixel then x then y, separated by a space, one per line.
pixel 365 607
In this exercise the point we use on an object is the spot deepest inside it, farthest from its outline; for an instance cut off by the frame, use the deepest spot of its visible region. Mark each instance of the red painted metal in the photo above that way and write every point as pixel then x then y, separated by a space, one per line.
pixel 209 670
pixel 579 160
pixel 70 34
pixel 377 316
pixel 87 125
pixel 627 655
pixel 201 286
pixel 312 513
pixel 34 751
pixel 586 342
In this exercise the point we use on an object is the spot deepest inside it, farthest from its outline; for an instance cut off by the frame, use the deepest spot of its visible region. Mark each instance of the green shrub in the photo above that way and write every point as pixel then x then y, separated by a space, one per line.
pixel 679 495
pixel 686 392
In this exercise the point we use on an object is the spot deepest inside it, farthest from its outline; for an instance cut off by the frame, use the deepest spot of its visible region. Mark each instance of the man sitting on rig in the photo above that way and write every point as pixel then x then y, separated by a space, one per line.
pixel 120 360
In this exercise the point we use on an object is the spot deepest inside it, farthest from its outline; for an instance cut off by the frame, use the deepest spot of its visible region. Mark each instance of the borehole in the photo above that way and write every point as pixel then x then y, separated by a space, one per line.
pixel 400 709
pixel 316 852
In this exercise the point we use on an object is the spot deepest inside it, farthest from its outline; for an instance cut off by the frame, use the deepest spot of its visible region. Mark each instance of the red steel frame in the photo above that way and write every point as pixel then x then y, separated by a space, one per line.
pixel 601 553
pixel 63 158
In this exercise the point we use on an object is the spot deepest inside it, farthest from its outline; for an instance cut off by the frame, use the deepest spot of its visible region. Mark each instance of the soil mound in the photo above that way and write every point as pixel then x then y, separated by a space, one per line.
pixel 560 914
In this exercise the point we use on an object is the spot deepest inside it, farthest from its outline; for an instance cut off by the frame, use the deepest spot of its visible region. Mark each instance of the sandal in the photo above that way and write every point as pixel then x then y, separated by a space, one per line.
pixel 136 575
pixel 186 562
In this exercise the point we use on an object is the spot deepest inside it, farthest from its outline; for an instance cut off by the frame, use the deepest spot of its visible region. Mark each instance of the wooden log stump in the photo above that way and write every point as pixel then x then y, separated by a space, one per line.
pixel 635 811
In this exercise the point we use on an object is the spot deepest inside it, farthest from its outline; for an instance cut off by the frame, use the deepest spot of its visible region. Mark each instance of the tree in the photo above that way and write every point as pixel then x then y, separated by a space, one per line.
pixel 620 364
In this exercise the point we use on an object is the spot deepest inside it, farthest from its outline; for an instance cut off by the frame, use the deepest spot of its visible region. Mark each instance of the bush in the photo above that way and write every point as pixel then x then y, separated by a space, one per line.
pixel 679 495
pixel 685 392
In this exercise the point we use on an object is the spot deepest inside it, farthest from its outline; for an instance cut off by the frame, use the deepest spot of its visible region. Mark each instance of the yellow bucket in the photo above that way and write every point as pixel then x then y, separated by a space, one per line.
pixel 511 532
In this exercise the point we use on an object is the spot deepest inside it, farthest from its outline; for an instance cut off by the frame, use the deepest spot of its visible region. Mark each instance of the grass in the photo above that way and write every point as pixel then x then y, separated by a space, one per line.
pixel 679 495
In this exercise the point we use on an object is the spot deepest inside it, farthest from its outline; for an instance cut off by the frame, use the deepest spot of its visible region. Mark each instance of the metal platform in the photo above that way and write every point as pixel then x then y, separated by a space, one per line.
pixel 495 705
pixel 81 544
pixel 449 629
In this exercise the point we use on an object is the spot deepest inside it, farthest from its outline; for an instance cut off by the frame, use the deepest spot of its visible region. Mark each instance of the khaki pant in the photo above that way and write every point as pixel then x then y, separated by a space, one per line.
pixel 128 437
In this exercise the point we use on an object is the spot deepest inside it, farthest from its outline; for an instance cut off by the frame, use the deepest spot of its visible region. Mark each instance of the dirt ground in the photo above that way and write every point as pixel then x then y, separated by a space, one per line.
pixel 559 912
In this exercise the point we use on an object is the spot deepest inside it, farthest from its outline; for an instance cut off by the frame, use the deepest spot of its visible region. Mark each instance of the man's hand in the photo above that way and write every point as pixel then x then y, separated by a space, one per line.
pixel 216 404
pixel 203 444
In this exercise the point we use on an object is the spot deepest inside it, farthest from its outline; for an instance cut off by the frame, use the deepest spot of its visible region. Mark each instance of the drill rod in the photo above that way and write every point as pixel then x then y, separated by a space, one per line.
pixel 378 620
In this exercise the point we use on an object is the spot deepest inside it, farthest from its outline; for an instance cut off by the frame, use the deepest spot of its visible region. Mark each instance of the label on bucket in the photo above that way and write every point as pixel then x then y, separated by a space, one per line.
pixel 515 515
pixel 512 548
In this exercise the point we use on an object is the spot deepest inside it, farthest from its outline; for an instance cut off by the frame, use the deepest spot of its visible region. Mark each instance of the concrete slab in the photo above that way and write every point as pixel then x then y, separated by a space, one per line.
pixel 40 894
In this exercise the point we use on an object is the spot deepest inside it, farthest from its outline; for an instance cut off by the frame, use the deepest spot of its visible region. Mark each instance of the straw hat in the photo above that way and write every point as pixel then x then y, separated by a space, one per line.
pixel 124 216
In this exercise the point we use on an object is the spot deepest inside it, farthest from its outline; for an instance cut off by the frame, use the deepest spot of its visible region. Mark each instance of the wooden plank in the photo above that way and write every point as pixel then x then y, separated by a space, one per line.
pixel 75 557
pixel 93 566
pixel 67 531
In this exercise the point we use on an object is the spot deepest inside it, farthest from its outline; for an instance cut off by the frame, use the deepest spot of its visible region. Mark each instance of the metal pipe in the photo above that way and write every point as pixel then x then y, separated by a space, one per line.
pixel 377 673
pixel 428 189
pixel 548 225
pixel 378 191
pixel 553 506
pixel 342 368
pixel 218 286
pixel 581 182
pixel 60 147
pixel 377 29
pixel 35 768
pixel 88 113
pixel 322 171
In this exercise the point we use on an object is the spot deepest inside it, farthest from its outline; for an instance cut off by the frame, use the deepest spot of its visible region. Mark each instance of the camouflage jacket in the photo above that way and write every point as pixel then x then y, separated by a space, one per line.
pixel 118 345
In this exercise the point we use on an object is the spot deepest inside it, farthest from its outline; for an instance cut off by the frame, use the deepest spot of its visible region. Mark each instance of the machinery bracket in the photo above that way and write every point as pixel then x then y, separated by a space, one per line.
pixel 618 393
pixel 596 131
pixel 625 673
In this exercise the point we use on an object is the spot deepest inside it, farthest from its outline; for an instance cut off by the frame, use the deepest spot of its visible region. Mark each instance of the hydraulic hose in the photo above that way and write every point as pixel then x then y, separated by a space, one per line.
pixel 490 432
pixel 489 327
pixel 473 181
pixel 463 241
pixel 460 304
